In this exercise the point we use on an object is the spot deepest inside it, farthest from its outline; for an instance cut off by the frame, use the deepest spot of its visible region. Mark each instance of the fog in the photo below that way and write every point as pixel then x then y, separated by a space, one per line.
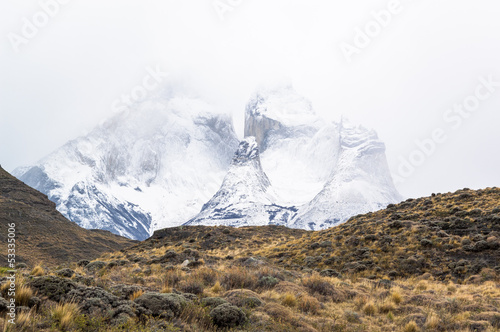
pixel 423 74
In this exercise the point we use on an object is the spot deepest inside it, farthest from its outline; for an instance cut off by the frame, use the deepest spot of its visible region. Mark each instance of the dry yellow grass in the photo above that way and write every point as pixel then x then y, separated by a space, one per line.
pixel 411 327
pixel 422 285
pixel 24 320
pixel 23 295
pixel 289 300
pixel 396 296
pixel 217 288
pixel 432 321
pixel 136 294
pixel 64 314
pixel 370 309
pixel 452 288
pixel 37 271
pixel 4 288
pixel 309 304
pixel 385 307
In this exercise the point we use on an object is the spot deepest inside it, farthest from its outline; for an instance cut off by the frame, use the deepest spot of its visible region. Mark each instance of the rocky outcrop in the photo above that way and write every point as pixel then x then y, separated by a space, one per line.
pixel 245 197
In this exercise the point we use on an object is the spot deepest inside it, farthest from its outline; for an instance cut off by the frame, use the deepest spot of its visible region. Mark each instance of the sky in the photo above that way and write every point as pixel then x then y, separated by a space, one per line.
pixel 424 74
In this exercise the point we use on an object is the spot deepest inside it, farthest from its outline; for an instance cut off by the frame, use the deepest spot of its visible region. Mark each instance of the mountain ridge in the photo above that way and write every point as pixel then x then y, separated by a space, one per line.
pixel 169 161
pixel 245 197
pixel 141 170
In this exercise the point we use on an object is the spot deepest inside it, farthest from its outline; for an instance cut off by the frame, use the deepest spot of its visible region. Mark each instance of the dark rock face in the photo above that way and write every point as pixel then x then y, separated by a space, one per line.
pixel 128 218
pixel 123 213
pixel 258 125
pixel 247 151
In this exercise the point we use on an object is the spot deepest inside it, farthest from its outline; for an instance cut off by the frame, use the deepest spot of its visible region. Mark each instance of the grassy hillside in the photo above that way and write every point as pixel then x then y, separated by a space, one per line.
pixel 430 264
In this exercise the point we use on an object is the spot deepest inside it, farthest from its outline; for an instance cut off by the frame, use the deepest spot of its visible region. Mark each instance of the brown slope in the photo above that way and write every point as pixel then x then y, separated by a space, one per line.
pixel 453 235
pixel 42 233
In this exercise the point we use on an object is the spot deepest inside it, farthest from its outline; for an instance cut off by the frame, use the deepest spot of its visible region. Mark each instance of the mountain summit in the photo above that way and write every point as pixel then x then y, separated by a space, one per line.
pixel 146 169
pixel 360 181
pixel 171 160
pixel 245 197
pixel 314 174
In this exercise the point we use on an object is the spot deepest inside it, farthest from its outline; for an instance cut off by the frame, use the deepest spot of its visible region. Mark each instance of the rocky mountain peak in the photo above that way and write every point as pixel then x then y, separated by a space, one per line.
pixel 247 151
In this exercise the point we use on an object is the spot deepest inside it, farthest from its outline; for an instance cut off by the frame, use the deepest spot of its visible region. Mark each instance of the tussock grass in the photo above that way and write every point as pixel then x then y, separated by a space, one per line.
pixel 23 295
pixel 136 295
pixel 289 300
pixel 64 315
pixel 37 271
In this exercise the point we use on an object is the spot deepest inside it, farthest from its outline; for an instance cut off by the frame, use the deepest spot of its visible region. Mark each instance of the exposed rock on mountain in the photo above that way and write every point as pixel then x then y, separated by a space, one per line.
pixel 142 170
pixel 43 235
pixel 245 197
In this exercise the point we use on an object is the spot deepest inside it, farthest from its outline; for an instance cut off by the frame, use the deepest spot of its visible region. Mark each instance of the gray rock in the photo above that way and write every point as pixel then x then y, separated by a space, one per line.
pixel 252 261
pixel 325 244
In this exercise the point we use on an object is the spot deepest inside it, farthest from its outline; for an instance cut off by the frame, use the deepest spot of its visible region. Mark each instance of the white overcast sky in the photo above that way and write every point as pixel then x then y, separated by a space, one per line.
pixel 427 59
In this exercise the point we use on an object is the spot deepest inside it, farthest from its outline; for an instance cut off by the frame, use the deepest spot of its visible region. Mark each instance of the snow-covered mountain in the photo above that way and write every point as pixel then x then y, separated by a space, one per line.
pixel 360 182
pixel 150 168
pixel 332 171
pixel 298 148
pixel 162 165
pixel 246 197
